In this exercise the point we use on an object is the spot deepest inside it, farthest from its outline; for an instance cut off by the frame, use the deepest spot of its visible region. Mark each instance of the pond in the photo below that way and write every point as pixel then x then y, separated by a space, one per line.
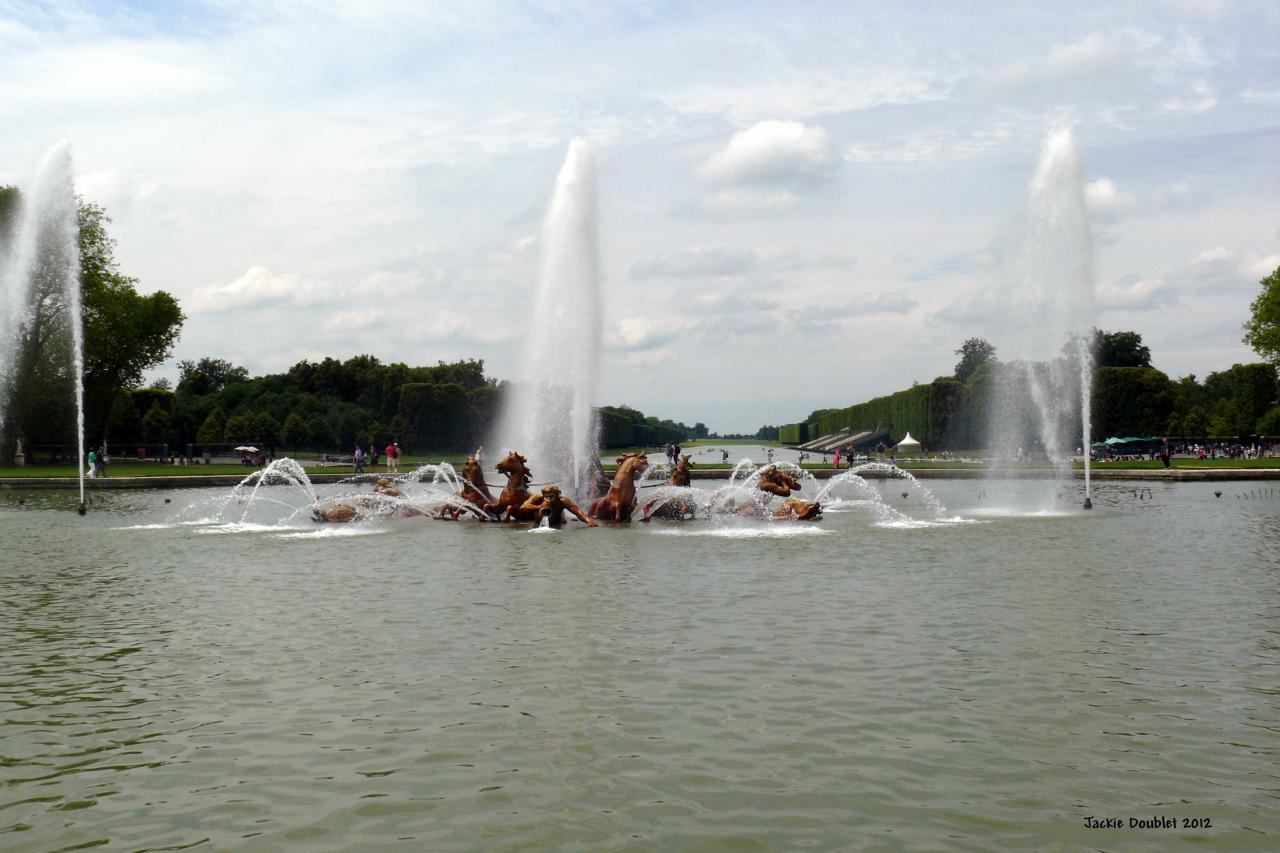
pixel 963 679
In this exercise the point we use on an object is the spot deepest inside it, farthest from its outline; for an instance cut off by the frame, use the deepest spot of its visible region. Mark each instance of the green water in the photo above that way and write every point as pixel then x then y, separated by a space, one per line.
pixel 978 685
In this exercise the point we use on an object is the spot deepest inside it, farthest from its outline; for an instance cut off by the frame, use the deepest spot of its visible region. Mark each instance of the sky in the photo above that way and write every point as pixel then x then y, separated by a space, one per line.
pixel 801 205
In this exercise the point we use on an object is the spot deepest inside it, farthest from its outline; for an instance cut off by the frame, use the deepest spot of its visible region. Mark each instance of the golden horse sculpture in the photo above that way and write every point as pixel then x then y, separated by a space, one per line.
pixel 620 502
pixel 551 505
pixel 517 488
pixel 474 491
pixel 344 513
pixel 673 507
pixel 779 483
pixel 336 514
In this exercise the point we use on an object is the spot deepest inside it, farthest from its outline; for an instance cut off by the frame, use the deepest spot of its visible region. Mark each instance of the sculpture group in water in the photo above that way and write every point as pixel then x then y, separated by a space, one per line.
pixel 619 501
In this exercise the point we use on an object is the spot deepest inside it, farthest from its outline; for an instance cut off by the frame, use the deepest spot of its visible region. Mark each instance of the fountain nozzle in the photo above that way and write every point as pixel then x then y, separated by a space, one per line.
pixel 1088 503
pixel 82 509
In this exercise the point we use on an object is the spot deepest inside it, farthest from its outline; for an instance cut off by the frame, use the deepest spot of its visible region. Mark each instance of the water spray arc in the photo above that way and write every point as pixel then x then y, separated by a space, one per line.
pixel 40 285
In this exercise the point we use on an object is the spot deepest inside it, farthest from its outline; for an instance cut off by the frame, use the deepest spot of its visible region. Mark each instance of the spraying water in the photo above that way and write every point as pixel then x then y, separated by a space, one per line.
pixel 550 415
pixel 1043 396
pixel 40 289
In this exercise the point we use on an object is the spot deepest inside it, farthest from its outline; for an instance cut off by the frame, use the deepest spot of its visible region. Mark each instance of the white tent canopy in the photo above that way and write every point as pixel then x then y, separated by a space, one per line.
pixel 907 443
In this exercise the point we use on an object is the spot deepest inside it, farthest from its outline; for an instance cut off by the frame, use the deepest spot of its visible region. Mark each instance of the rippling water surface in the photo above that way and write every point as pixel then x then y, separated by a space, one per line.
pixel 982 683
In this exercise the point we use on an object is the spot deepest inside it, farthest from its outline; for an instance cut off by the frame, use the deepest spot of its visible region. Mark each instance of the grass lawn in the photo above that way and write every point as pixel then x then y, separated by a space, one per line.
pixel 1268 462
pixel 125 468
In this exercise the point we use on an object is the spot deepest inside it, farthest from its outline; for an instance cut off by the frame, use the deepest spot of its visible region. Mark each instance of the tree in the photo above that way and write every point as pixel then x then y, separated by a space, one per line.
pixel 161 383
pixel 208 375
pixel 1195 424
pixel 1262 331
pixel 320 433
pixel 973 353
pixel 157 425
pixel 125 333
pixel 213 429
pixel 124 423
pixel 1120 349
pixel 699 430
pixel 242 428
pixel 266 429
pixel 1269 424
pixel 295 433
pixel 1132 401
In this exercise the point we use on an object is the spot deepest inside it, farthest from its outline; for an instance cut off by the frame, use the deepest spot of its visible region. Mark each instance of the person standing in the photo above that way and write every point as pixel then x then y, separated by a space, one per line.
pixel 93 462
pixel 770 455
pixel 358 458
pixel 392 461
pixel 837 461
pixel 101 463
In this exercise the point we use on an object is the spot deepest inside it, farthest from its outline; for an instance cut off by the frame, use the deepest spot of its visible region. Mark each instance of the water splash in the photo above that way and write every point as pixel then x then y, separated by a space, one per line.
pixel 1043 393
pixel 40 287
pixel 550 416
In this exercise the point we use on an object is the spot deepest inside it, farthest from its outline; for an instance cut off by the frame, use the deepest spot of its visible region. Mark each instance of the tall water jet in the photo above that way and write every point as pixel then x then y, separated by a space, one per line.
pixel 1043 395
pixel 41 327
pixel 549 415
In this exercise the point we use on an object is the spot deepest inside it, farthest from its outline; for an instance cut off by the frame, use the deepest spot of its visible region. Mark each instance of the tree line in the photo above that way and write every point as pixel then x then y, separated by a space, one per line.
pixel 1129 397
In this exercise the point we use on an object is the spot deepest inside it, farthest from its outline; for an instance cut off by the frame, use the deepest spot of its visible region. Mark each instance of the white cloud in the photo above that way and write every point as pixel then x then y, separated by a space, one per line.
pixel 887 303
pixel 697 262
pixel 1108 203
pixel 935 146
pixel 651 358
pixel 1091 59
pixel 257 286
pixel 640 332
pixel 768 168
pixel 1198 97
pixel 773 154
pixel 1105 201
pixel 1133 293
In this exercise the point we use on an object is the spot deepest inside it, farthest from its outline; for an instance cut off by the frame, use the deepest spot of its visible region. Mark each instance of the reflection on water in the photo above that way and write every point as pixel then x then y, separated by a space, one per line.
pixel 976 681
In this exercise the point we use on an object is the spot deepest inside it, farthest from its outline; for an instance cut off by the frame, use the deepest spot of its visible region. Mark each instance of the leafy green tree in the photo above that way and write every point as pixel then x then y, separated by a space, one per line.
pixel 973 353
pixel 266 429
pixel 1262 330
pixel 124 423
pixel 1269 424
pixel 1120 349
pixel 213 429
pixel 295 433
pixel 208 375
pixel 1132 401
pixel 242 428
pixel 1226 419
pixel 157 425
pixel 319 434
pixel 125 333
pixel 1195 424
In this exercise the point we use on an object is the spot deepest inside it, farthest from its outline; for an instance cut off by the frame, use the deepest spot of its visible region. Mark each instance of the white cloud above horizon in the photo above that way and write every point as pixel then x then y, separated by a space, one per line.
pixel 329 179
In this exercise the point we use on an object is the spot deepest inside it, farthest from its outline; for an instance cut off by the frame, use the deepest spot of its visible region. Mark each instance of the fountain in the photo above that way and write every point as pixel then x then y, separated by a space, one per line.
pixel 549 415
pixel 40 308
pixel 1043 394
